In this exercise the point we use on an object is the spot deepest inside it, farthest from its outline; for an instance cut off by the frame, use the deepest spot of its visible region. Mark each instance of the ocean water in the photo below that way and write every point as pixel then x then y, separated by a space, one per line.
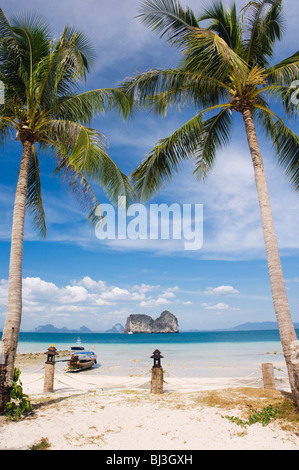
pixel 193 354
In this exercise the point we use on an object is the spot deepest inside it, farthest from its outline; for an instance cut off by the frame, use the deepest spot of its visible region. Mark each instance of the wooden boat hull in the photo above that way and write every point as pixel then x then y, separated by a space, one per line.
pixel 76 365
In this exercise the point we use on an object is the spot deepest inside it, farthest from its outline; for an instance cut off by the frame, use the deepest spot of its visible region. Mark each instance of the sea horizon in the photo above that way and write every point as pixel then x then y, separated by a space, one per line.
pixel 247 326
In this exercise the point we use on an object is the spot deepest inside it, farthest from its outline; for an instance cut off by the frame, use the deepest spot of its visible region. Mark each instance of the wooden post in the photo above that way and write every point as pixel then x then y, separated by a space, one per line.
pixel 157 380
pixel 50 369
pixel 49 377
pixel 268 376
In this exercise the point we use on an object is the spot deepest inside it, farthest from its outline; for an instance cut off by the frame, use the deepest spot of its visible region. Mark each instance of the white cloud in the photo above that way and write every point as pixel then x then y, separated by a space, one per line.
pixel 35 287
pixel 145 288
pixel 219 306
pixel 221 290
pixel 85 300
pixel 116 293
pixel 90 283
pixel 154 302
pixel 166 297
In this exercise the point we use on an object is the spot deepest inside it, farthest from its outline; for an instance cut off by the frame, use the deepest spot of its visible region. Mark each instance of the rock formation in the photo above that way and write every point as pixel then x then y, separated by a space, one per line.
pixel 139 323
pixel 117 328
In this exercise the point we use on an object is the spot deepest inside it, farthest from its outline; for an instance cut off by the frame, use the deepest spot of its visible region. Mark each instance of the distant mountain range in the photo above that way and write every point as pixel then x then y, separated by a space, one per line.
pixel 264 325
pixel 52 329
pixel 118 328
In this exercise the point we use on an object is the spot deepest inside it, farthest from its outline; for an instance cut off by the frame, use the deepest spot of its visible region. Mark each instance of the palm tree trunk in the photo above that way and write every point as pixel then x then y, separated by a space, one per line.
pixel 12 325
pixel 281 306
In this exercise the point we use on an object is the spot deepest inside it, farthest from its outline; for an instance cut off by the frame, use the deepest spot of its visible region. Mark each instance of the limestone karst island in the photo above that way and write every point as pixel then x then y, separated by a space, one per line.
pixel 139 323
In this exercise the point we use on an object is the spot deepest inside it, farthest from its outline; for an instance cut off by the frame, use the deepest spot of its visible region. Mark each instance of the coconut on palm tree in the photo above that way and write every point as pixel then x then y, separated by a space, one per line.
pixel 45 110
pixel 225 69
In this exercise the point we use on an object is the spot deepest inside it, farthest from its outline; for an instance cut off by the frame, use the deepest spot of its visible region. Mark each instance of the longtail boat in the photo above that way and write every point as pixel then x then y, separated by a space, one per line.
pixel 81 359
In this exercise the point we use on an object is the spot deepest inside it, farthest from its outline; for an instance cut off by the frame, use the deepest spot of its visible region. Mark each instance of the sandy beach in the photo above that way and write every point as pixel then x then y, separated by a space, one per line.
pixel 98 412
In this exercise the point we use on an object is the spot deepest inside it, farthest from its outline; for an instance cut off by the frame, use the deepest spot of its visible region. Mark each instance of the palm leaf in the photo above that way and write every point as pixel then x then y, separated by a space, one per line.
pixel 225 23
pixel 162 88
pixel 264 26
pixel 83 107
pixel 8 41
pixel 216 135
pixel 82 46
pixel 11 59
pixel 33 37
pixel 285 143
pixel 285 71
pixel 58 74
pixel 206 52
pixel 34 198
pixel 166 157
pixel 77 184
pixel 168 17
pixel 83 149
pixel 6 130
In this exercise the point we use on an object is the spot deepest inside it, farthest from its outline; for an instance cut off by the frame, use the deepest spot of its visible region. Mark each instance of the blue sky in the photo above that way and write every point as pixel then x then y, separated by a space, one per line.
pixel 73 279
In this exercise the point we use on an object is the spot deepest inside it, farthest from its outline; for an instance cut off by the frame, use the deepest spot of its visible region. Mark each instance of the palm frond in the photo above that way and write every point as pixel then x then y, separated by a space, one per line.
pixel 33 35
pixel 82 46
pixel 6 129
pixel 11 59
pixel 160 89
pixel 76 183
pixel 285 143
pixel 263 25
pixel 168 17
pixel 34 197
pixel 206 52
pixel 58 74
pixel 226 23
pixel 285 94
pixel 83 107
pixel 166 157
pixel 83 149
pixel 285 71
pixel 8 42
pixel 216 135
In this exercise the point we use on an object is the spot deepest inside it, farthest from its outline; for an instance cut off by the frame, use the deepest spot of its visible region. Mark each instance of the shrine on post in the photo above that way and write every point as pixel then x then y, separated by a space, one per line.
pixel 157 373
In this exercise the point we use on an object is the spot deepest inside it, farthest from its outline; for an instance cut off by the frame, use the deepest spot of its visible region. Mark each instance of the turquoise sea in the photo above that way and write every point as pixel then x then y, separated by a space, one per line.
pixel 193 354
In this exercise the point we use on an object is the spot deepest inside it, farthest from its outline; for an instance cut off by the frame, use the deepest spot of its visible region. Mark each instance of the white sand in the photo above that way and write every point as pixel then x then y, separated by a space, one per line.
pixel 88 411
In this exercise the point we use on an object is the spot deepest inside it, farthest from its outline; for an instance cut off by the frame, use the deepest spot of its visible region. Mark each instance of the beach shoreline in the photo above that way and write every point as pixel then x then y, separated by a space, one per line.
pixel 32 366
pixel 118 412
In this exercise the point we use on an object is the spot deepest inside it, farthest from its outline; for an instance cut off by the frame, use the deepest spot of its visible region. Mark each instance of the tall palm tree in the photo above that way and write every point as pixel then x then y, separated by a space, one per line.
pixel 225 69
pixel 45 111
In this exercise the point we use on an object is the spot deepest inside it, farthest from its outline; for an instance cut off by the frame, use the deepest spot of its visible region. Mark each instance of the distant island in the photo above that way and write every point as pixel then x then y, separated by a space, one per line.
pixel 166 323
pixel 117 328
pixel 255 326
pixel 248 326
pixel 52 329
pixel 140 323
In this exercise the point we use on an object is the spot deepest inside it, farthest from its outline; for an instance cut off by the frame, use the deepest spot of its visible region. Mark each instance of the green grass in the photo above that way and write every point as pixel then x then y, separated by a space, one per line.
pixel 43 444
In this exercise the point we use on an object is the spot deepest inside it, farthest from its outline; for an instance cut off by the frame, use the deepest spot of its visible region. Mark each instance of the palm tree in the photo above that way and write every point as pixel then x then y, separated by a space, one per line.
pixel 45 111
pixel 225 69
